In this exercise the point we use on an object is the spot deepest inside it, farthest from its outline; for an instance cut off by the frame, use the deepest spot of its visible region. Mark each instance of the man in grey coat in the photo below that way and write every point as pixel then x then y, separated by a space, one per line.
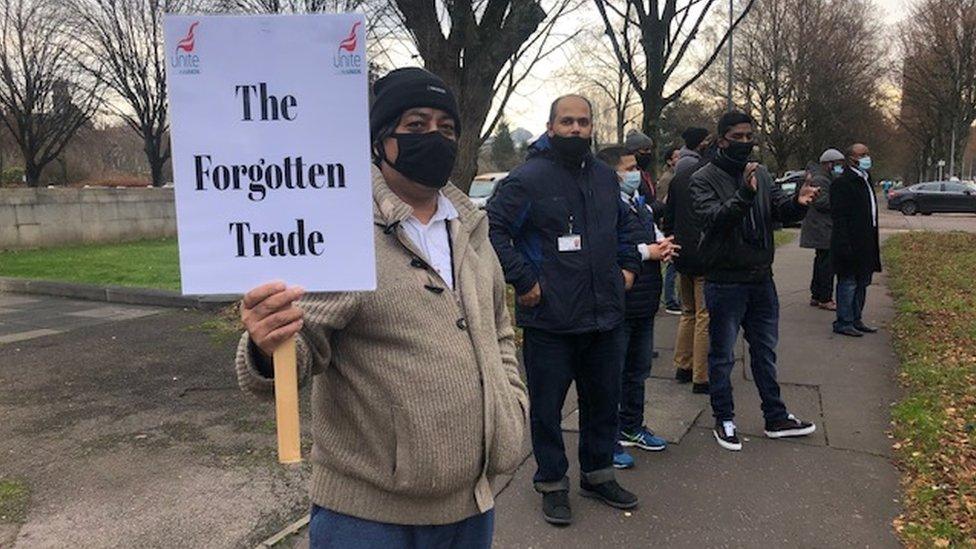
pixel 816 229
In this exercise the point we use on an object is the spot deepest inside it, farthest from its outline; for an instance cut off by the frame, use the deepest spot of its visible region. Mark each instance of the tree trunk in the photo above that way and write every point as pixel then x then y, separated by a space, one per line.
pixel 650 125
pixel 32 173
pixel 155 160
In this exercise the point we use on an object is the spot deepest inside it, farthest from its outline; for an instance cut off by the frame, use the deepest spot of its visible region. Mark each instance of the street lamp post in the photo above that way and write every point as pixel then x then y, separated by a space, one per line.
pixel 728 96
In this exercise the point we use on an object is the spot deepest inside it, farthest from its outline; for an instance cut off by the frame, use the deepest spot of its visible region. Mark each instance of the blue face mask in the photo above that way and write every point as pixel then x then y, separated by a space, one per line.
pixel 864 163
pixel 838 169
pixel 629 182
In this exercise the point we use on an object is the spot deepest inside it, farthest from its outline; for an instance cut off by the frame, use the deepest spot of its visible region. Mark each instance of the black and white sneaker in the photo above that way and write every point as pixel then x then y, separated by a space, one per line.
pixel 725 435
pixel 789 427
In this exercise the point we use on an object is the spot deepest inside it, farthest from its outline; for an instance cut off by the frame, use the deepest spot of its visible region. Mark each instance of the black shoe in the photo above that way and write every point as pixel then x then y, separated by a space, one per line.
pixel 610 493
pixel 683 376
pixel 848 332
pixel 700 388
pixel 673 310
pixel 865 328
pixel 724 432
pixel 789 427
pixel 555 507
pixel 655 354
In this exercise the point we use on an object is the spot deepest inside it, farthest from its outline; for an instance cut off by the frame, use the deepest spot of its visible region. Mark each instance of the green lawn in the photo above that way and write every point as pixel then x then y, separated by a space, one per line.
pixel 934 425
pixel 783 237
pixel 14 497
pixel 148 264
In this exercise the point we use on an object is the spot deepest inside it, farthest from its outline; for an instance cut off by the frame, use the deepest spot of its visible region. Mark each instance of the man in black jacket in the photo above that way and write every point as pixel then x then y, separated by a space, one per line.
pixel 854 242
pixel 567 244
pixel 736 204
pixel 691 342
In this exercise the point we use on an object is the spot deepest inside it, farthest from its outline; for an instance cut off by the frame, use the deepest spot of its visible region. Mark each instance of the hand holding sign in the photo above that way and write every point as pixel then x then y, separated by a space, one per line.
pixel 270 316
pixel 272 172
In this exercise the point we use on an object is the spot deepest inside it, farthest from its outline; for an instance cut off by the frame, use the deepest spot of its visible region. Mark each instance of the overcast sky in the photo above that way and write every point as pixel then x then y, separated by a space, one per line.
pixel 530 108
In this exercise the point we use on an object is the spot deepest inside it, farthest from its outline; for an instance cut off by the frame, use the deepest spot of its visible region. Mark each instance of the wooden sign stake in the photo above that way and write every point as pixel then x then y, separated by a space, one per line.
pixel 286 403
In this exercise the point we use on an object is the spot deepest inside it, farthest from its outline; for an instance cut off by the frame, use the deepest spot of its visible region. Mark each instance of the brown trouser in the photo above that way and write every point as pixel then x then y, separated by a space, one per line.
pixel 691 347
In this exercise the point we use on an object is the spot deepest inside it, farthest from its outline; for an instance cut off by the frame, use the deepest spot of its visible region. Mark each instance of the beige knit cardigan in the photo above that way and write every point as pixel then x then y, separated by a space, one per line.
pixel 417 402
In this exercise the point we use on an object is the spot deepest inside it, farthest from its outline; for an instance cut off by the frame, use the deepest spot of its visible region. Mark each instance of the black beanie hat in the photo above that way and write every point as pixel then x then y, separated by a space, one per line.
pixel 402 89
pixel 693 137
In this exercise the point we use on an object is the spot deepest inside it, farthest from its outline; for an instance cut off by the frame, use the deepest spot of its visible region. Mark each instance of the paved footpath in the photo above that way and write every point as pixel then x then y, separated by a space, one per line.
pixel 837 488
pixel 834 489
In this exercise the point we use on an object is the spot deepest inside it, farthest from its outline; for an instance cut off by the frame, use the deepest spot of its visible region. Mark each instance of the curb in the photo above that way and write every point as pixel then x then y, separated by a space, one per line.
pixel 285 533
pixel 116 294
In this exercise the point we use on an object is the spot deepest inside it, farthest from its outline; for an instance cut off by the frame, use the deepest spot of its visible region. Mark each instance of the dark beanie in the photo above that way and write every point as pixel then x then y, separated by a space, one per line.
pixel 406 88
pixel 732 118
pixel 693 137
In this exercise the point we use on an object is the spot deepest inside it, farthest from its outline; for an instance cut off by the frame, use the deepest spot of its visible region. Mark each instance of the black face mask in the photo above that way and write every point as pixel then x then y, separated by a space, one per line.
pixel 644 161
pixel 426 158
pixel 572 148
pixel 738 152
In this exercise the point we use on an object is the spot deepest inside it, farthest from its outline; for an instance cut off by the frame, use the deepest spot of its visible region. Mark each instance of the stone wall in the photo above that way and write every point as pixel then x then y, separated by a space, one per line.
pixel 32 218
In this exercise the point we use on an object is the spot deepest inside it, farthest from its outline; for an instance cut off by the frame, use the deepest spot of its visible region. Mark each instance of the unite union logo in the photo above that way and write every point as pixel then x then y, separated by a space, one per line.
pixel 185 61
pixel 347 60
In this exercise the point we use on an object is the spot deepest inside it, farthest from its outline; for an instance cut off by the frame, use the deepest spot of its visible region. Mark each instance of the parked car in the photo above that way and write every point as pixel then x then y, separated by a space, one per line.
pixel 934 196
pixel 483 187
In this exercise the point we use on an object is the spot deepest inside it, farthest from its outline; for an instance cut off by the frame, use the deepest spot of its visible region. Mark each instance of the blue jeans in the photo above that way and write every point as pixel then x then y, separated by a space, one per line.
pixel 554 361
pixel 331 530
pixel 639 341
pixel 852 290
pixel 671 298
pixel 755 308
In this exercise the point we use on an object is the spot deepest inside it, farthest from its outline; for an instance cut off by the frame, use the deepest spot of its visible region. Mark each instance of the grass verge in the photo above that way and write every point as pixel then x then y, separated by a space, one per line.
pixel 783 237
pixel 147 264
pixel 934 425
pixel 14 497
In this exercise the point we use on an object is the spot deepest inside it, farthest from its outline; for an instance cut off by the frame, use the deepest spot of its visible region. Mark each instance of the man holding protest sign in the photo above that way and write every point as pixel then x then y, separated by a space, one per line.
pixel 415 387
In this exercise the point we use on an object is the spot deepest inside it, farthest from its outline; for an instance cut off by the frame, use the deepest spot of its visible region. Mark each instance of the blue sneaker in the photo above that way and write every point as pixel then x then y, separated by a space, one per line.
pixel 643 439
pixel 621 459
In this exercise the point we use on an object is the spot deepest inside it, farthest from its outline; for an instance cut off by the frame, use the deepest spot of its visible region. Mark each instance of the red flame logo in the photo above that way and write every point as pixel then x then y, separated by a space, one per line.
pixel 186 44
pixel 349 44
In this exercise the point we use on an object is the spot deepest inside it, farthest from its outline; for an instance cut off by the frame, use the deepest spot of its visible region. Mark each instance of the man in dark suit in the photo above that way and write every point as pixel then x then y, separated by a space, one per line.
pixel 854 241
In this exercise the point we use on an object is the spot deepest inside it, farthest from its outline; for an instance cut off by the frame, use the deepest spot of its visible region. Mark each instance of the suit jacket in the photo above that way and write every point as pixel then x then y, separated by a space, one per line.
pixel 854 247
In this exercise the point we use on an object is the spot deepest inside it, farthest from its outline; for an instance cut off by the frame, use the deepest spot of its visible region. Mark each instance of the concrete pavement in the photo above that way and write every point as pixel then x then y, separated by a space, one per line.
pixel 834 489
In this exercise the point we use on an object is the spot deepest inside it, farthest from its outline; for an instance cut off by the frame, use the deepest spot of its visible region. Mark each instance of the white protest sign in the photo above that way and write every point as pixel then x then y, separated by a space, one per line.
pixel 271 162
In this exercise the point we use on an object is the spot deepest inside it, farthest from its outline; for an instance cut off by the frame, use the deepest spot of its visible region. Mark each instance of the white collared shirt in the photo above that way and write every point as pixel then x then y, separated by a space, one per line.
pixel 634 202
pixel 432 239
pixel 874 203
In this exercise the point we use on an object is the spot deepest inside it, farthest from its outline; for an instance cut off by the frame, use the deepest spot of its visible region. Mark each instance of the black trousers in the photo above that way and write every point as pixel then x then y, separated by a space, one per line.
pixel 822 284
pixel 552 362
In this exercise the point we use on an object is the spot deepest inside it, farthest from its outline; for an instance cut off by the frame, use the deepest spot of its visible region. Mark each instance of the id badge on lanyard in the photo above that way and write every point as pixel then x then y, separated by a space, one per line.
pixel 570 242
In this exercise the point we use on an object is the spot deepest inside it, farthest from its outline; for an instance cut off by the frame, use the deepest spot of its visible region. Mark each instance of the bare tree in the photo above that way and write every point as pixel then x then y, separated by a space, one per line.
pixel 44 94
pixel 656 36
pixel 122 47
pixel 809 74
pixel 489 49
pixel 592 66
pixel 939 79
